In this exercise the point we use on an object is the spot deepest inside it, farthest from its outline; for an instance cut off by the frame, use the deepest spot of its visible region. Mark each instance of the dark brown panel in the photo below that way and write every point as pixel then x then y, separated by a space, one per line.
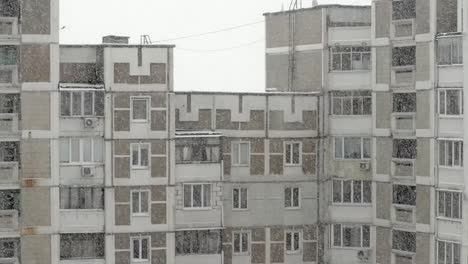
pixel 35 61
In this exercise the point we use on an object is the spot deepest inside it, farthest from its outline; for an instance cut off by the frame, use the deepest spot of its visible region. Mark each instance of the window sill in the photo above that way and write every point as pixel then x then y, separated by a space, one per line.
pixel 240 209
pixel 82 210
pixel 449 65
pixel 351 71
pixel 81 116
pixel 197 208
pixel 293 165
pixel 82 164
pixel 140 168
pixel 457 168
pixel 444 218
pixel 140 121
pixel 240 165
pixel 451 116
pixel 350 248
pixel 292 208
pixel 141 215
pixel 352 204
pixel 241 254
pixel 360 160
pixel 293 252
pixel 349 116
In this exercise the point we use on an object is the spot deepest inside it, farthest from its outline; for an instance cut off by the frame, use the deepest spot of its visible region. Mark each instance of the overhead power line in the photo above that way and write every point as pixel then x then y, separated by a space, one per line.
pixel 223 49
pixel 208 33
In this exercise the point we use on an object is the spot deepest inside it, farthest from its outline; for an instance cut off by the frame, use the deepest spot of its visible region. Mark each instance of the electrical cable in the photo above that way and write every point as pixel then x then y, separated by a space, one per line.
pixel 222 49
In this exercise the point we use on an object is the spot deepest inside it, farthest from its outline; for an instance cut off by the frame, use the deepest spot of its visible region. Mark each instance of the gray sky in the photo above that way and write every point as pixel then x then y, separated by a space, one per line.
pixel 228 61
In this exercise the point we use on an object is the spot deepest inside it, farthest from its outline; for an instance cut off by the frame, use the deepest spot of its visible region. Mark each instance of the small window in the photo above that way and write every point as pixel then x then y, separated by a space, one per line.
pixel 451 153
pixel 140 202
pixel 140 155
pixel 293 240
pixel 352 148
pixel 404 241
pixel 197 195
pixel 404 194
pixel 404 56
pixel 140 109
pixel 241 242
pixel 450 204
pixel 450 102
pixel 240 153
pixel 292 197
pixel 140 248
pixel 448 252
pixel 293 153
pixel 351 236
pixel 403 9
pixel 404 102
pixel 352 192
pixel 239 198
pixel 405 148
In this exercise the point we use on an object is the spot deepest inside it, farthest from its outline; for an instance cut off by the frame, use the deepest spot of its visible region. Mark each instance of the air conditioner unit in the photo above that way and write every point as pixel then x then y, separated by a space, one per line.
pixel 90 122
pixel 364 166
pixel 364 255
pixel 88 171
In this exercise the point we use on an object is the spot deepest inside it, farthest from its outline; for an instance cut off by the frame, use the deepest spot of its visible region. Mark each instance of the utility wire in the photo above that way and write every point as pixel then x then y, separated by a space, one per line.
pixel 223 49
pixel 209 32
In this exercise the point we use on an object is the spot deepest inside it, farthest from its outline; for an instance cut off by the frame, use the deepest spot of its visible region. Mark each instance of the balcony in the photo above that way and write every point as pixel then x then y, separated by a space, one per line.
pixel 8 220
pixel 9 172
pixel 403 76
pixel 82 220
pixel 405 214
pixel 403 168
pixel 404 123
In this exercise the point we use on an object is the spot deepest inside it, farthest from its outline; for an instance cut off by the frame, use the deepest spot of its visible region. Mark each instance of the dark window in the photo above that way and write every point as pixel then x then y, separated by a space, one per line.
pixel 404 56
pixel 198 242
pixel 404 148
pixel 404 9
pixel 8 55
pixel 404 241
pixel 9 151
pixel 404 102
pixel 82 246
pixel 197 150
pixel 404 194
pixel 10 200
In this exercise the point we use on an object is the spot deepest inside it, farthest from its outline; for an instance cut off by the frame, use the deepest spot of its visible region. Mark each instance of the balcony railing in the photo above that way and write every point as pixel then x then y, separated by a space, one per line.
pixel 8 123
pixel 403 75
pixel 403 168
pixel 8 219
pixel 404 123
pixel 403 214
pixel 8 172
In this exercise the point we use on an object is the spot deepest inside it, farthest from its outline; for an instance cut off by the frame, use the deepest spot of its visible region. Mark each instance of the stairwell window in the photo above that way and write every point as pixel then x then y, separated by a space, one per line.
pixel 352 192
pixel 292 198
pixel 293 241
pixel 140 109
pixel 450 102
pixel 240 153
pixel 241 243
pixel 293 153
pixel 239 198
pixel 352 148
pixel 351 103
pixel 451 153
pixel 448 252
pixel 140 155
pixel 140 202
pixel 351 236
pixel 140 248
pixel 349 58
pixel 450 204
pixel 197 195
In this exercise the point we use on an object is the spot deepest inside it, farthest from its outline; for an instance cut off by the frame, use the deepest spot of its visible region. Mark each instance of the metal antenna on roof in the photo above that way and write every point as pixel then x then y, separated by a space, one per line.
pixel 145 40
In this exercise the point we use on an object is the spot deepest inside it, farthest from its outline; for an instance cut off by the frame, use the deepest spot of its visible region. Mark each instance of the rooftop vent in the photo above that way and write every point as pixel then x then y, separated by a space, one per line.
pixel 112 39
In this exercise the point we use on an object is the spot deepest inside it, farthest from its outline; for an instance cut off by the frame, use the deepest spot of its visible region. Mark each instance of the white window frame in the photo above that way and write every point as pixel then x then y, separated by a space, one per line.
pixel 292 143
pixel 450 163
pixel 351 53
pixel 342 154
pixel 352 192
pixel 292 243
pixel 140 202
pixel 454 40
pixel 460 205
pixel 140 146
pixel 82 92
pixel 442 108
pixel 148 108
pixel 240 233
pixel 345 97
pixel 342 227
pixel 81 151
pixel 139 240
pixel 292 207
pixel 240 153
pixel 445 242
pixel 239 208
pixel 202 201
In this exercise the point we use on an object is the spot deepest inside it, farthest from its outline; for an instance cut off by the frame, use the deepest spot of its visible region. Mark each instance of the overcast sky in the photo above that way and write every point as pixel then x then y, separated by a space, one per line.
pixel 232 60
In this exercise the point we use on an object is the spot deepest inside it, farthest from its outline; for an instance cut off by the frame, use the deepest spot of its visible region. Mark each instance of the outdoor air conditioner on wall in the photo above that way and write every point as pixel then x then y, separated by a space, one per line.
pixel 88 171
pixel 364 255
pixel 364 166
pixel 90 122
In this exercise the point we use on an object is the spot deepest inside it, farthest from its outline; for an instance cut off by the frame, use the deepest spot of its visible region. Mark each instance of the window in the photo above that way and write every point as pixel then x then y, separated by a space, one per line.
pixel 9 151
pixel 448 252
pixel 82 246
pixel 81 103
pixel 404 241
pixel 140 248
pixel 451 102
pixel 404 102
pixel 240 153
pixel 140 202
pixel 293 241
pixel 404 56
pixel 198 242
pixel 451 153
pixel 10 200
pixel 293 153
pixel 10 103
pixel 9 247
pixel 140 155
pixel 81 198
pixel 140 109
pixel 404 194
pixel 351 103
pixel 352 148
pixel 450 204
pixel 351 58
pixel 197 195
pixel 241 242
pixel 197 150
pixel 405 148
pixel 81 150
pixel 351 236
pixel 450 50
pixel 292 197
pixel 8 55
pixel 352 191
pixel 403 9
pixel 239 198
